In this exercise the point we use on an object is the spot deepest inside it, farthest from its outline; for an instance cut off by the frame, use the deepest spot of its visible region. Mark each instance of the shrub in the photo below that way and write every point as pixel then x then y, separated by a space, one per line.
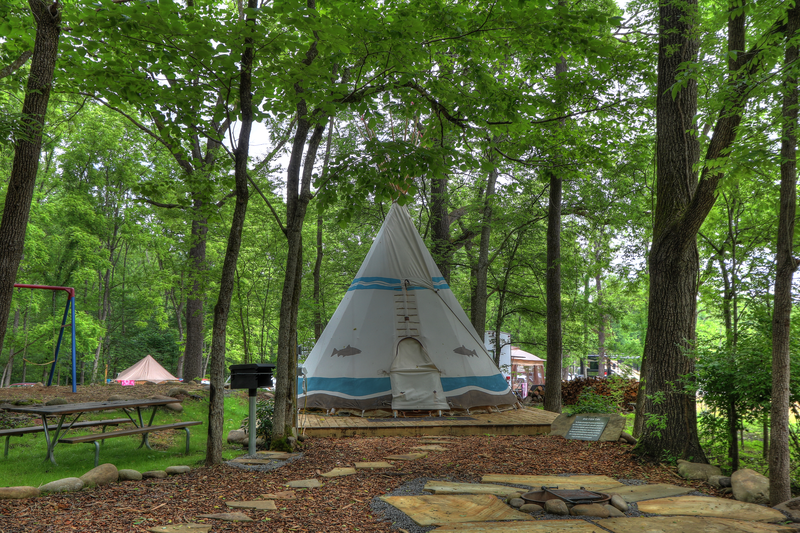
pixel 589 401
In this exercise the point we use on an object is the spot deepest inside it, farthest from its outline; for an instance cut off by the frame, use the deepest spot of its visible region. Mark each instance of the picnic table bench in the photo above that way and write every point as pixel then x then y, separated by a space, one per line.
pixel 75 410
pixel 93 439
pixel 16 432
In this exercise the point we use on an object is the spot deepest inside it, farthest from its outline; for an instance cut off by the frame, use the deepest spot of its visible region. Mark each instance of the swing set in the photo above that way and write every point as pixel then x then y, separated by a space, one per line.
pixel 70 306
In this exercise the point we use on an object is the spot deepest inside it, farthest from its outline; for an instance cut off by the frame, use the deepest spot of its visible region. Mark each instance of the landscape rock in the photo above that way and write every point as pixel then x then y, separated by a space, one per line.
pixel 237 436
pixel 612 432
pixel 619 502
pixel 68 484
pixel 230 517
pixel 719 482
pixel 613 512
pixel 516 503
pixel 627 437
pixel 591 509
pixel 175 391
pixel 154 474
pixel 181 528
pixel 697 471
pixel 178 469
pixel 127 474
pixel 304 484
pixel 750 486
pixel 100 475
pixel 556 507
pixel 56 401
pixel 177 407
pixel 791 508
pixel 532 508
pixel 18 493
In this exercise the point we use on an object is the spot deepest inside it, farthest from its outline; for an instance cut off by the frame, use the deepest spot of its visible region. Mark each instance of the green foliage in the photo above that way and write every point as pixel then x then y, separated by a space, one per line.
pixel 591 402
pixel 265 410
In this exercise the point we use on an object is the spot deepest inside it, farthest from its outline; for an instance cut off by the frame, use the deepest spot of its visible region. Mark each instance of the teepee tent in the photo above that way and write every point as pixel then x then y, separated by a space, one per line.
pixel 399 338
pixel 146 369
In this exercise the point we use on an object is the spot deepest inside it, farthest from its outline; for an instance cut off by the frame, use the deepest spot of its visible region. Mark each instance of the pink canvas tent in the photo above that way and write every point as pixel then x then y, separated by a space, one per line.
pixel 147 369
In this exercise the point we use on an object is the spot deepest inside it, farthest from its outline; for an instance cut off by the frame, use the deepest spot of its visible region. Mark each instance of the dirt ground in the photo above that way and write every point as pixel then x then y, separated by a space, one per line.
pixel 340 505
pixel 89 393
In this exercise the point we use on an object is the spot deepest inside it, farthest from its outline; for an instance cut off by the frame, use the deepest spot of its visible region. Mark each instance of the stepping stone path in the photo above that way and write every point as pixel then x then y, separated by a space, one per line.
pixel 304 484
pixel 441 509
pixel 475 508
pixel 430 448
pixel 180 528
pixel 339 472
pixel 637 493
pixel 285 495
pixel 228 517
pixel 713 507
pixel 261 505
pixel 373 465
pixel 406 457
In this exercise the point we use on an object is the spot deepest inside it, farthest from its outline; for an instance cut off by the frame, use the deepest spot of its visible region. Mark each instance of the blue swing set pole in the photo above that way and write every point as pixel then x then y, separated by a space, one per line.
pixel 70 305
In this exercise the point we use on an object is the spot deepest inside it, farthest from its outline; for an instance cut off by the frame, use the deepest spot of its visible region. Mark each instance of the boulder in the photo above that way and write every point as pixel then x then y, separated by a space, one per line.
pixel 619 502
pixel 750 486
pixel 791 508
pixel 175 391
pixel 68 484
pixel 18 493
pixel 177 407
pixel 591 509
pixel 719 482
pixel 179 469
pixel 613 512
pixel 56 401
pixel 627 437
pixel 558 507
pixel 154 474
pixel 697 471
pixel 100 475
pixel 237 436
pixel 532 508
pixel 516 503
pixel 126 474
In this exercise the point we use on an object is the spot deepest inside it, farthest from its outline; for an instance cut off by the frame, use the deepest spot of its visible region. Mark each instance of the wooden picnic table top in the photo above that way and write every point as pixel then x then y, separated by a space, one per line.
pixel 73 408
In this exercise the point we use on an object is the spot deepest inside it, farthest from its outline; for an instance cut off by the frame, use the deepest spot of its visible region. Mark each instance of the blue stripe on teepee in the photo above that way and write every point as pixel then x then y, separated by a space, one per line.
pixel 391 284
pixel 494 383
pixel 361 387
pixel 356 387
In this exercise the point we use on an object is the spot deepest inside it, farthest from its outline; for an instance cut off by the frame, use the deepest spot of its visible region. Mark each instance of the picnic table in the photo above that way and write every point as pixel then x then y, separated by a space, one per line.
pixel 68 415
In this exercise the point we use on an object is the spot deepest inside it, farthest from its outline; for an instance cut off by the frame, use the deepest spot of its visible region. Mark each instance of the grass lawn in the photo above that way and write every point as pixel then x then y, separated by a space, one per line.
pixel 26 463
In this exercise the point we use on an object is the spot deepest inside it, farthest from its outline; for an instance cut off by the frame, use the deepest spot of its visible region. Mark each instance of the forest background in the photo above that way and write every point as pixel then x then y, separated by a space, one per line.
pixel 521 135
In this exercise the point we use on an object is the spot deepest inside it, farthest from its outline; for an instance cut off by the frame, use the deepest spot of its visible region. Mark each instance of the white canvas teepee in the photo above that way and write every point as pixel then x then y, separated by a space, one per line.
pixel 147 369
pixel 399 339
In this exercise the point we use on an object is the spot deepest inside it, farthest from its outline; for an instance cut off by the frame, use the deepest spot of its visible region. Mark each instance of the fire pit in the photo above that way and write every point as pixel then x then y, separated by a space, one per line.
pixel 571 497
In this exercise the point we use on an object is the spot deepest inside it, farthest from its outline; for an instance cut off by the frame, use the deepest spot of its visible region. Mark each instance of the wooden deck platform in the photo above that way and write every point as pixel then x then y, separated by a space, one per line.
pixel 513 422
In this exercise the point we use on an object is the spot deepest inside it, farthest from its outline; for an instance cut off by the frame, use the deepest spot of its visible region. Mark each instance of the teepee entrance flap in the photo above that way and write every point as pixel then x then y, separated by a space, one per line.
pixel 415 379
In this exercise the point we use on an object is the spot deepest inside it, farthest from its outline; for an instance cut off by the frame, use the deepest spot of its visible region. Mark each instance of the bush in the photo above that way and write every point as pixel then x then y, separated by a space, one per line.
pixel 265 409
pixel 589 401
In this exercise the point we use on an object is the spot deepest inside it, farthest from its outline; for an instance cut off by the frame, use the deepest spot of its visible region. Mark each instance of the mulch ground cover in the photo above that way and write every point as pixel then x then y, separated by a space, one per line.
pixel 341 504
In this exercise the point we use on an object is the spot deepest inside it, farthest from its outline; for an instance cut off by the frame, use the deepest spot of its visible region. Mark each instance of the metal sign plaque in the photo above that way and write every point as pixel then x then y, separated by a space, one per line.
pixel 586 427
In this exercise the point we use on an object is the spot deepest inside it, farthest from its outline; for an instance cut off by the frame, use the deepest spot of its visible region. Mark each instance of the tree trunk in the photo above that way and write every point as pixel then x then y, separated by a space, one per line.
pixel 6 380
pixel 779 469
pixel 440 226
pixel 478 310
pixel 682 205
pixel 216 410
pixel 733 427
pixel 318 327
pixel 552 390
pixel 195 314
pixel 27 149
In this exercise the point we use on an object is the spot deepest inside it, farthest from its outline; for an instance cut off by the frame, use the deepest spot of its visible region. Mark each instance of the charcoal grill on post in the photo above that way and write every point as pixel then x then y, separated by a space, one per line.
pixel 570 496
pixel 251 376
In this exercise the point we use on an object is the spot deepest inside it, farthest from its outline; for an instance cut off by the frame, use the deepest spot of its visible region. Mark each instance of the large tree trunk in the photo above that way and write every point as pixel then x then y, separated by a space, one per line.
pixel 216 410
pixel 195 315
pixel 779 480
pixel 27 149
pixel 5 380
pixel 682 205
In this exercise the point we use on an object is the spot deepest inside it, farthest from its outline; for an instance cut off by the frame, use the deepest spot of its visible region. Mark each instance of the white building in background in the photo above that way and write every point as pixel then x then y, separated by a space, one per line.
pixel 505 350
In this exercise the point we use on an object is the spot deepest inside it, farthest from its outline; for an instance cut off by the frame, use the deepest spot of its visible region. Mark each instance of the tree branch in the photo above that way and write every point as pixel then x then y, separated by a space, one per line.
pixel 16 65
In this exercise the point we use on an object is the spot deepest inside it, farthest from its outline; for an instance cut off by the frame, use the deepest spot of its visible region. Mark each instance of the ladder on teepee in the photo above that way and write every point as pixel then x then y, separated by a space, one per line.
pixel 406 319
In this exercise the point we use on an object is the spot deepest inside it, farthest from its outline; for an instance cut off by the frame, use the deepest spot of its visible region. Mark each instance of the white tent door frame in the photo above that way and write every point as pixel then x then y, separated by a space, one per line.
pixel 415 379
